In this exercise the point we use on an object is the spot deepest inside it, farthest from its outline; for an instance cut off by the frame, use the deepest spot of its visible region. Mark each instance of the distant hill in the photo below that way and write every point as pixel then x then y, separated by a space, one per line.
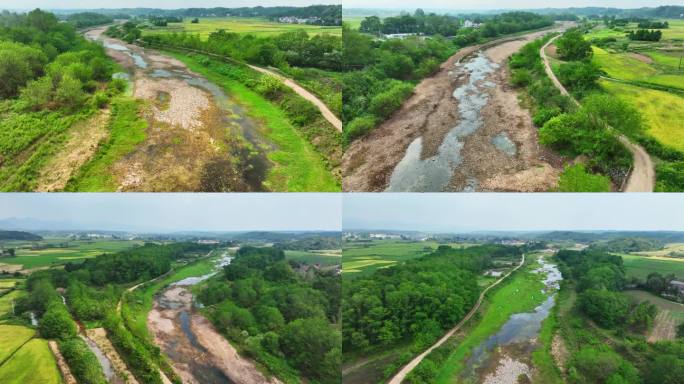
pixel 19 235
pixel 590 236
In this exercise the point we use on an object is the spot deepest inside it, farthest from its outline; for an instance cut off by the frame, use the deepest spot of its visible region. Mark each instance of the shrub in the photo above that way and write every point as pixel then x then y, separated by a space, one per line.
pixel 56 323
pixel 521 77
pixel 545 114
pixel 670 176
pixel 386 103
pixel 575 178
pixel 82 362
pixel 358 127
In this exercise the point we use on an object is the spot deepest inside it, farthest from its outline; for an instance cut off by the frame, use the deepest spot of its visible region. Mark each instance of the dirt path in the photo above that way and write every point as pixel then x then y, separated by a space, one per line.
pixel 325 111
pixel 642 177
pixel 67 376
pixel 401 375
pixel 663 327
pixel 82 143
pixel 463 129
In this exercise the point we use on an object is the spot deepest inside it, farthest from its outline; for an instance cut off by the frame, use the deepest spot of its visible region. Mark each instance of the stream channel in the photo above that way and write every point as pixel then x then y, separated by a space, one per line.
pixel 507 354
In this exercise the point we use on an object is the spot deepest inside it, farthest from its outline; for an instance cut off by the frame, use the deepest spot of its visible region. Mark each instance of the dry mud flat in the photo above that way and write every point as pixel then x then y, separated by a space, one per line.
pixel 462 130
pixel 200 355
pixel 198 139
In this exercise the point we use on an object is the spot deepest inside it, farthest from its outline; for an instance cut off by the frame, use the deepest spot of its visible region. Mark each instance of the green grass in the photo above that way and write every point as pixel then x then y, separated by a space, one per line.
pixel 668 59
pixel 361 258
pixel 354 22
pixel 32 364
pixel 640 266
pixel 663 112
pixel 297 167
pixel 254 26
pixel 621 65
pixel 313 257
pixel 522 293
pixel 30 258
pixel 547 370
pixel 6 301
pixel 12 337
pixel 137 304
pixel 126 130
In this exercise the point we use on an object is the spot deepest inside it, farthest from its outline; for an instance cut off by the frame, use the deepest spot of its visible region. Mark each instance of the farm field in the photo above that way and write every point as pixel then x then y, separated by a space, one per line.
pixel 662 111
pixel 12 337
pixel 76 250
pixel 365 257
pixel 6 300
pixel 33 363
pixel 323 257
pixel 641 267
pixel 258 27
pixel 676 310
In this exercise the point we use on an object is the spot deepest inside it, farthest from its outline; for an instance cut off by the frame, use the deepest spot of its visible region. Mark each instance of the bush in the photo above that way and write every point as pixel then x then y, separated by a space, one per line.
pixel 56 323
pixel 670 176
pixel 572 46
pixel 521 77
pixel 82 362
pixel 358 127
pixel 601 365
pixel 545 114
pixel 579 76
pixel 69 92
pixel 606 308
pixel 575 178
pixel 385 104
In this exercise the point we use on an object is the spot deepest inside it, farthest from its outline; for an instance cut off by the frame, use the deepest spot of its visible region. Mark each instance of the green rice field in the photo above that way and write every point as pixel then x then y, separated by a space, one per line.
pixel 33 363
pixel 662 111
pixel 365 257
pixel 54 254
pixel 641 266
pixel 258 27
pixel 12 337
pixel 6 300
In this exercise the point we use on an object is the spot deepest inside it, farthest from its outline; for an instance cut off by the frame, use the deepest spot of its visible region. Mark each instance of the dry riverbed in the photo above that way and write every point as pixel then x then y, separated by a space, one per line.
pixel 199 354
pixel 462 130
pixel 197 138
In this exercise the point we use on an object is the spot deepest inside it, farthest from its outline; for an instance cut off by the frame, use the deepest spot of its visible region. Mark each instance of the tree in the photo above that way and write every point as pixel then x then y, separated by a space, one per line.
pixel 572 46
pixel 607 308
pixel 371 24
pixel 18 65
pixel 69 92
pixel 56 323
pixel 306 341
pixel 579 76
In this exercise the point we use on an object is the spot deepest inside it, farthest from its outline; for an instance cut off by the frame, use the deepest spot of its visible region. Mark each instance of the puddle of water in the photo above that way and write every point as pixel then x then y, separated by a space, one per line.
pixel 520 328
pixel 139 61
pixel 504 144
pixel 161 73
pixel 433 174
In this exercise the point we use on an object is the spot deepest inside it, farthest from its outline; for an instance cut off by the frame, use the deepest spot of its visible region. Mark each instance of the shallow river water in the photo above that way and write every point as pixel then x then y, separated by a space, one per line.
pixel 520 332
pixel 415 174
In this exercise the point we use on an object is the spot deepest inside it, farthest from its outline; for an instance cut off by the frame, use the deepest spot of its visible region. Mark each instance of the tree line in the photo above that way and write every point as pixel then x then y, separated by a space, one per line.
pixel 281 317
pixel 645 35
pixel 415 301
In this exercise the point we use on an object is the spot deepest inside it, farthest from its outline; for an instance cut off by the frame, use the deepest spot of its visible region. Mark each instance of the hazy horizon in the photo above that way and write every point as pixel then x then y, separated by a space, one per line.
pixel 178 212
pixel 483 5
pixel 163 4
pixel 463 212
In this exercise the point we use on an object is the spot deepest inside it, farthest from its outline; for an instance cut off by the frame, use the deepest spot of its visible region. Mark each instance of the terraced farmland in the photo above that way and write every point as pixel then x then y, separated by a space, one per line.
pixel 33 363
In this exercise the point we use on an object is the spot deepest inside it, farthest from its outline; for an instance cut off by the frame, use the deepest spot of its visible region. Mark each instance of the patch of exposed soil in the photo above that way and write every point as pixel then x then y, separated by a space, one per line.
pixel 199 354
pixel 508 372
pixel 10 268
pixel 552 51
pixel 663 327
pixel 84 139
pixel 559 351
pixel 432 112
pixel 185 103
pixel 67 376
pixel 99 337
pixel 641 57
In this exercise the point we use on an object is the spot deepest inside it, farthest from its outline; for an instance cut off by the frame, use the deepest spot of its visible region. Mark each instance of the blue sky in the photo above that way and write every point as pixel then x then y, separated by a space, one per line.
pixel 452 212
pixel 180 211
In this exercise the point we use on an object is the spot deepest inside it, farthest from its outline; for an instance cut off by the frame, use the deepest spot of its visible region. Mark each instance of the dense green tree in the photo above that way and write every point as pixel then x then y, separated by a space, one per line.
pixel 572 46
pixel 307 341
pixel 56 323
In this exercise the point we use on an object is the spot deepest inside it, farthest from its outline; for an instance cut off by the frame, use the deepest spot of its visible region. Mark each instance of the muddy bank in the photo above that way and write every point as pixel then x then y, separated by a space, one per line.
pixel 199 354
pixel 198 138
pixel 462 130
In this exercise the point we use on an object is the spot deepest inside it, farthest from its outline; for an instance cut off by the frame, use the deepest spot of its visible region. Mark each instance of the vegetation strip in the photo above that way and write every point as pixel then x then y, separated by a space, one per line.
pixel 401 375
